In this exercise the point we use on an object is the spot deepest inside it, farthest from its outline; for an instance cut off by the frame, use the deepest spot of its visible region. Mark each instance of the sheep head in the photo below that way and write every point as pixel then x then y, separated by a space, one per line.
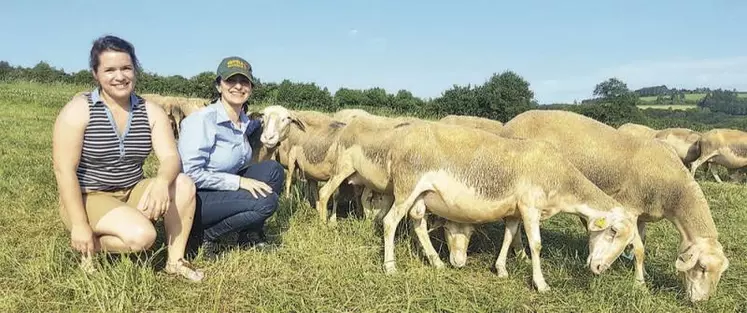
pixel 609 234
pixel 276 122
pixel 457 237
pixel 701 264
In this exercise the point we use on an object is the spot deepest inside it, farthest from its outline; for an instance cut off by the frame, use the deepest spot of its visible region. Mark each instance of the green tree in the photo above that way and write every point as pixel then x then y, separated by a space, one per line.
pixel 504 96
pixel 345 97
pixel 611 87
pixel 457 100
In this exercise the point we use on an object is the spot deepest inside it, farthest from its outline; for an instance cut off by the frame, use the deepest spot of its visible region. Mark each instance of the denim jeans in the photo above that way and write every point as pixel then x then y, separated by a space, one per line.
pixel 219 212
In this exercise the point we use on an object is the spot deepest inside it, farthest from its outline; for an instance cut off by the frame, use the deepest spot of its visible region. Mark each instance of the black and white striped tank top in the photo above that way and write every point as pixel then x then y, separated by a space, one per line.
pixel 107 161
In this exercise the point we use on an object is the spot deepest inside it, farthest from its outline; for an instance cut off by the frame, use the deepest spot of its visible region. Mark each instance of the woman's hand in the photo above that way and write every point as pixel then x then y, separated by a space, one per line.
pixel 254 186
pixel 81 238
pixel 156 200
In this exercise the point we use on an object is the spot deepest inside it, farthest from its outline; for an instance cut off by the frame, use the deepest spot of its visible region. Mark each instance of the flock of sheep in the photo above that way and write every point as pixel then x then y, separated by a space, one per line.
pixel 467 171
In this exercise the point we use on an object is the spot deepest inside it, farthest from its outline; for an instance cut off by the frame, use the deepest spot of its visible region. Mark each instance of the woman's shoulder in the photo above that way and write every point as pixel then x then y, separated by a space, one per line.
pixel 75 111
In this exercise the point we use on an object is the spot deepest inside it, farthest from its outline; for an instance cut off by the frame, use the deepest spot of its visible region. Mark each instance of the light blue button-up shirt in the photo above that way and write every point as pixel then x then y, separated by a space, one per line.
pixel 212 149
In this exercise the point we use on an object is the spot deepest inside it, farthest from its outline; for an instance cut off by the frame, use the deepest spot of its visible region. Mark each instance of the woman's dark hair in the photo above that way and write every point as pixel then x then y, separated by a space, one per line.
pixel 111 43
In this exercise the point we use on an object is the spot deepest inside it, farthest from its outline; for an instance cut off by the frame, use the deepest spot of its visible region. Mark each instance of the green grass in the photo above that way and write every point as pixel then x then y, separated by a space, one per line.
pixel 320 269
pixel 667 106
pixel 689 97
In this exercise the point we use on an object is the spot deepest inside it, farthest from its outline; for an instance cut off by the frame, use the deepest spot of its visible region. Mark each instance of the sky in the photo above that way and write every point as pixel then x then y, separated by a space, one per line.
pixel 562 48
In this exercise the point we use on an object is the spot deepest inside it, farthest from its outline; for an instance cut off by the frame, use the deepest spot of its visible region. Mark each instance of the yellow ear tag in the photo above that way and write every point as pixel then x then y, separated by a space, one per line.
pixel 600 222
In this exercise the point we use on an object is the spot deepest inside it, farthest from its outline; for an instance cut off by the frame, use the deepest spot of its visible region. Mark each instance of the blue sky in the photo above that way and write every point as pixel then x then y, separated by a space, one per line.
pixel 562 48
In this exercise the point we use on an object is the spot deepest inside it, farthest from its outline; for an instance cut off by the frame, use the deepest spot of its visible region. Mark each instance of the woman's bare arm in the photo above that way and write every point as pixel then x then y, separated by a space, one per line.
pixel 67 143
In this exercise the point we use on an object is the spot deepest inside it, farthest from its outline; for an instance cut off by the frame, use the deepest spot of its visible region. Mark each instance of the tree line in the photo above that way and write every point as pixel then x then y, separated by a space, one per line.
pixel 501 97
pixel 663 90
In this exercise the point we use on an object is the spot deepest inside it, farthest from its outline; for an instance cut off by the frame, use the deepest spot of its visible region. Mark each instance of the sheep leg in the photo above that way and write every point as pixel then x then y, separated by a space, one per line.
pixel 345 169
pixel 517 245
pixel 291 168
pixel 531 219
pixel 642 231
pixel 419 223
pixel 394 216
pixel 333 215
pixel 639 253
pixel 712 169
pixel 366 202
pixel 357 199
pixel 699 161
pixel 312 191
pixel 511 229
pixel 386 202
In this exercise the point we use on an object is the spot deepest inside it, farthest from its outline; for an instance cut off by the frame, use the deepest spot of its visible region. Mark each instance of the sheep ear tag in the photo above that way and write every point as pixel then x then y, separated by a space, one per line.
pixel 601 222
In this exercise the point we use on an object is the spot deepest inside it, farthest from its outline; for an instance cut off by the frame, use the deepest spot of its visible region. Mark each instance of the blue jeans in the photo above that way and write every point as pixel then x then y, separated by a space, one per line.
pixel 220 212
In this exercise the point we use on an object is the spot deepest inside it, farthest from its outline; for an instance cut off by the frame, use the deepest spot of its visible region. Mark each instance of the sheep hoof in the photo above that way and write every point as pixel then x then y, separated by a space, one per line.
pixel 542 288
pixel 436 262
pixel 502 273
pixel 389 268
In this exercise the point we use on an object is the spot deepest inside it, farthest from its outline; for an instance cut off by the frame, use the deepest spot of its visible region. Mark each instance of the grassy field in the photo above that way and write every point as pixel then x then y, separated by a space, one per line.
pixel 667 106
pixel 320 268
pixel 690 97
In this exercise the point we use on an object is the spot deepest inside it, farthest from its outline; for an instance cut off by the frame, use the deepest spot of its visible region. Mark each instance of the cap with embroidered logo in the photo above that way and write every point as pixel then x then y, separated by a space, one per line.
pixel 235 65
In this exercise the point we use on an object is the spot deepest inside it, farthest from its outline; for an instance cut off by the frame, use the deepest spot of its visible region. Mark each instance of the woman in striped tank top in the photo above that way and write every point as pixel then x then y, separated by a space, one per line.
pixel 100 142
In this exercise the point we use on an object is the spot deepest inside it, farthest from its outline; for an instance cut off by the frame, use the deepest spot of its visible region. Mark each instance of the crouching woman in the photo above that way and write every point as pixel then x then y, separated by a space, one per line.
pixel 100 142
pixel 233 196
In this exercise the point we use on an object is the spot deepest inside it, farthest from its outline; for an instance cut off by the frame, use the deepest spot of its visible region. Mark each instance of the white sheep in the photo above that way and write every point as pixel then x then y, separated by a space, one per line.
pixel 685 143
pixel 646 178
pixel 477 182
pixel 725 147
pixel 473 177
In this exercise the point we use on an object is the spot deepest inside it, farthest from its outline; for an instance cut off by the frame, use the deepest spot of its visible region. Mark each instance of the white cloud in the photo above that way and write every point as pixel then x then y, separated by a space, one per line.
pixel 727 73
pixel 353 32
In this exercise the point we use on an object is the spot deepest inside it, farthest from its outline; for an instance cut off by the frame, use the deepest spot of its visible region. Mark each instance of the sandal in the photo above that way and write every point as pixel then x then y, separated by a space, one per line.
pixel 185 269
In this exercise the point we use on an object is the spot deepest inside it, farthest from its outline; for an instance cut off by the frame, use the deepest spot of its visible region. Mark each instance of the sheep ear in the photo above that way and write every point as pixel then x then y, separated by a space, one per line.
pixel 687 259
pixel 298 122
pixel 256 116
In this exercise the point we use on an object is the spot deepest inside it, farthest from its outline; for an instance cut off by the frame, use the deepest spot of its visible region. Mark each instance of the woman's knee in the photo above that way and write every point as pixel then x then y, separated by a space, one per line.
pixel 139 237
pixel 184 187
pixel 268 205
pixel 276 174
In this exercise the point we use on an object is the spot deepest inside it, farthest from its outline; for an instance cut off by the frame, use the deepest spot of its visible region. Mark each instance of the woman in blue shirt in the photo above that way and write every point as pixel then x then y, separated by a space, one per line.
pixel 232 194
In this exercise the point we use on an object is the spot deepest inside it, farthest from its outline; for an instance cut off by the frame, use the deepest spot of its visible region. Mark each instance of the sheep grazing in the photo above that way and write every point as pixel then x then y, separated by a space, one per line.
pixel 725 147
pixel 637 130
pixel 485 124
pixel 643 176
pixel 471 177
pixel 684 141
